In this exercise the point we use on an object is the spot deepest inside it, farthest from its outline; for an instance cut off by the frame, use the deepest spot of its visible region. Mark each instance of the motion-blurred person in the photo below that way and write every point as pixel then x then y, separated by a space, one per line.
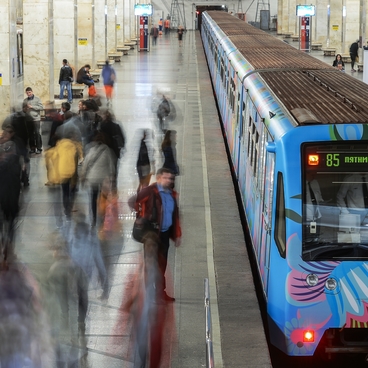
pixel 354 47
pixel 10 173
pixel 85 251
pixel 167 26
pixel 180 34
pixel 98 165
pixel 162 112
pixel 24 331
pixel 114 135
pixel 67 303
pixel 149 311
pixel 109 77
pixel 159 200
pixel 90 120
pixel 145 156
pixel 57 120
pixel 84 77
pixel 65 81
pixel 34 108
pixel 168 147
pixel 61 163
pixel 154 34
pixel 22 124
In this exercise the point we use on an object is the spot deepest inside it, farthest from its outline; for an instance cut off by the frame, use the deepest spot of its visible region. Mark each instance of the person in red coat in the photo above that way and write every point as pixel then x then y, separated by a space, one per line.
pixel 158 204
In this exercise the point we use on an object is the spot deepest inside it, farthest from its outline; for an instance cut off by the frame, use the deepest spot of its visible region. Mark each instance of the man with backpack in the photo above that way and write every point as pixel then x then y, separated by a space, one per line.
pixel 65 81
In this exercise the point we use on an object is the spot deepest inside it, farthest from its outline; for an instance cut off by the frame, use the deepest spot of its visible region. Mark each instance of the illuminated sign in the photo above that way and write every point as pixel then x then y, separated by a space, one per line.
pixel 143 9
pixel 305 10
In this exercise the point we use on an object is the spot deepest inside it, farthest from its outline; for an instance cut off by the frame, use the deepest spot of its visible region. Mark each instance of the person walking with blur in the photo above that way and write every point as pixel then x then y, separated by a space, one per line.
pixel 33 108
pixel 109 76
pixel 144 163
pixel 167 26
pixel 98 166
pixel 65 81
pixel 158 203
pixel 168 147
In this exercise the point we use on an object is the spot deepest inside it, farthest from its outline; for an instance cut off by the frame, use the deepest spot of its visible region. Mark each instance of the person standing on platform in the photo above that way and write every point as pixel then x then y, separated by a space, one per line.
pixel 167 26
pixel 180 34
pixel 168 147
pixel 160 200
pixel 34 108
pixel 144 163
pixel 154 34
pixel 109 77
pixel 160 26
pixel 65 81
pixel 354 54
pixel 84 77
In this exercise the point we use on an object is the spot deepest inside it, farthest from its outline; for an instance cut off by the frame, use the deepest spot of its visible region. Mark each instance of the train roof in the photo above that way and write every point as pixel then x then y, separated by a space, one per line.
pixel 299 80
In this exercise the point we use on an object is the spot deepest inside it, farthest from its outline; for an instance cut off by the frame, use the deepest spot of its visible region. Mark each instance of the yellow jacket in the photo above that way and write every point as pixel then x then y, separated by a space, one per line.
pixel 62 160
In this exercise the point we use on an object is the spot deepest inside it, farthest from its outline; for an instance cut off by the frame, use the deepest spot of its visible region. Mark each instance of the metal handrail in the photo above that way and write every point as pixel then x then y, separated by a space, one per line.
pixel 209 346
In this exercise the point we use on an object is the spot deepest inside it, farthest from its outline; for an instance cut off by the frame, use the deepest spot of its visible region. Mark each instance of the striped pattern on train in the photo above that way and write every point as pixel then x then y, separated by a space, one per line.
pixel 297 133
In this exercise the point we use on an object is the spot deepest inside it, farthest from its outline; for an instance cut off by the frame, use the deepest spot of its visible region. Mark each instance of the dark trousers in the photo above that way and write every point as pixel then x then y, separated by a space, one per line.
pixel 95 191
pixel 352 57
pixel 68 189
pixel 36 140
pixel 163 251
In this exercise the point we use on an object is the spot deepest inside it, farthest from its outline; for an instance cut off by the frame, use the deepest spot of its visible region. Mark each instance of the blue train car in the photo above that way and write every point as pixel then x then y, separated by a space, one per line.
pixel 297 132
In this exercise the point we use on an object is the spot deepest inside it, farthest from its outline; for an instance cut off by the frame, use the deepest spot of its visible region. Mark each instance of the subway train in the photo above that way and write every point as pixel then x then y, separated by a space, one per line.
pixel 297 133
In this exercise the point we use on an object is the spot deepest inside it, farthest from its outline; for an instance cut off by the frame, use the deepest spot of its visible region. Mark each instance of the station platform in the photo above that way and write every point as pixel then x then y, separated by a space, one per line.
pixel 213 244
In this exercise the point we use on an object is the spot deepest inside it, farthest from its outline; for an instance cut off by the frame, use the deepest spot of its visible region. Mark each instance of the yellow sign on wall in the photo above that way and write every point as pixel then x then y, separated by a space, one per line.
pixel 82 42
pixel 118 26
pixel 335 27
pixel 1 79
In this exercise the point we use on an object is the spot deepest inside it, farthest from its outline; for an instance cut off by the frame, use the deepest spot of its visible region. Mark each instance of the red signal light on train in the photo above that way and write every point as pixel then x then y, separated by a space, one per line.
pixel 308 336
pixel 313 160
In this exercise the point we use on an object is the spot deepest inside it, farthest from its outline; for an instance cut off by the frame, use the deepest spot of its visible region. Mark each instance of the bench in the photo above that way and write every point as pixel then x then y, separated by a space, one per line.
pixel 130 44
pixel 135 40
pixel 346 58
pixel 316 46
pixel 329 52
pixel 116 56
pixel 288 35
pixel 360 67
pixel 78 89
pixel 123 49
pixel 101 63
pixel 295 38
pixel 95 74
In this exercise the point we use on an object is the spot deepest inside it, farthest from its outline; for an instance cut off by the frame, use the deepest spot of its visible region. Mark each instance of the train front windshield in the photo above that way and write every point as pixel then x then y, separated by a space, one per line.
pixel 335 201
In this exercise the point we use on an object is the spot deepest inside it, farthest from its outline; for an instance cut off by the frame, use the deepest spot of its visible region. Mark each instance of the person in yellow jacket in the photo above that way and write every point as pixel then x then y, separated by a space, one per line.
pixel 61 163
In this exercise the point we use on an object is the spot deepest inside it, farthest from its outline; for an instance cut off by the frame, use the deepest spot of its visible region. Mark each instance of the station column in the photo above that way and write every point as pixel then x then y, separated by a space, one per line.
pixel 120 23
pixel 100 52
pixel 85 33
pixel 38 48
pixel 111 26
pixel 11 69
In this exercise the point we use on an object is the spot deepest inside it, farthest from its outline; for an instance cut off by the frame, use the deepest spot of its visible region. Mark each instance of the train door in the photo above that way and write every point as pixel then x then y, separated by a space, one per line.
pixel 268 183
pixel 243 136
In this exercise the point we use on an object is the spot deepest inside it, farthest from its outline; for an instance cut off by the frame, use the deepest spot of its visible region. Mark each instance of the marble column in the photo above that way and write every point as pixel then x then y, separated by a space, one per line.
pixel 127 20
pixel 293 20
pixel 38 48
pixel 64 37
pixel 320 23
pixel 100 52
pixel 111 26
pixel 120 23
pixel 85 34
pixel 335 24
pixel 11 86
pixel 352 24
pixel 133 20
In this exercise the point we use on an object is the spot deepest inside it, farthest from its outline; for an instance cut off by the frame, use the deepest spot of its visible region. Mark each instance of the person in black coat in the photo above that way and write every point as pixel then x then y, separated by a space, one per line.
pixel 354 54
pixel 143 162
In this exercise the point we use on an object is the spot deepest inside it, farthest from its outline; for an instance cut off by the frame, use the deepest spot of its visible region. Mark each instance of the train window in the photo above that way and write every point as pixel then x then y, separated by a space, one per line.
pixel 335 201
pixel 280 219
pixel 256 150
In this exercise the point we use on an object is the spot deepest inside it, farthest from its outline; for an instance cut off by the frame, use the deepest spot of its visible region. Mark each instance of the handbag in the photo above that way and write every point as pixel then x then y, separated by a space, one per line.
pixel 142 225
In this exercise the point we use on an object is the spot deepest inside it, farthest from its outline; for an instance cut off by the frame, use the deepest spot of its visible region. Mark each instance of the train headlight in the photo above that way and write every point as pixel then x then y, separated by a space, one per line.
pixel 331 284
pixel 312 279
pixel 308 336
